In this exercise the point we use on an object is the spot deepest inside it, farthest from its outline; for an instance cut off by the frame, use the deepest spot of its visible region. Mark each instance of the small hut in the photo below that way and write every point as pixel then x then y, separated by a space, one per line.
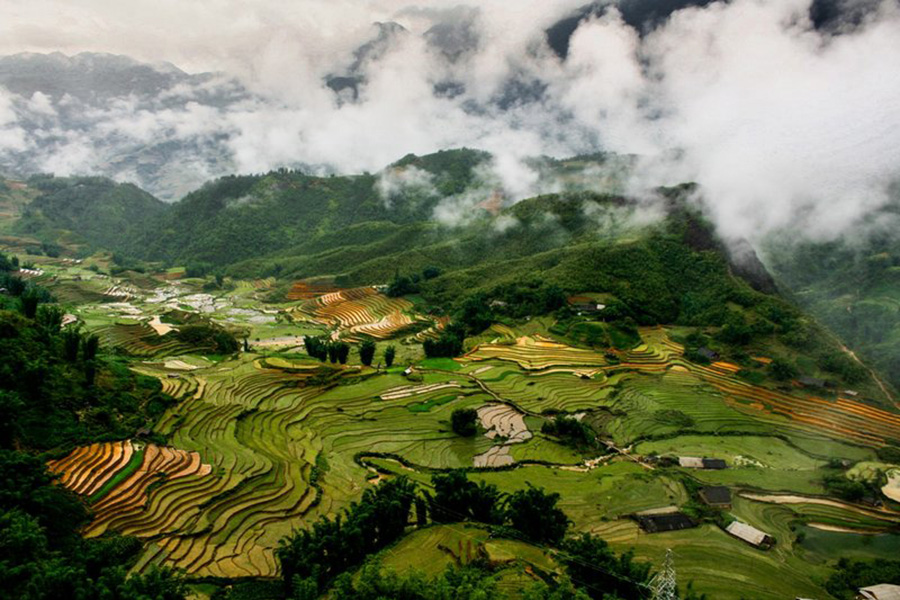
pixel 717 496
pixel 750 534
pixel 882 591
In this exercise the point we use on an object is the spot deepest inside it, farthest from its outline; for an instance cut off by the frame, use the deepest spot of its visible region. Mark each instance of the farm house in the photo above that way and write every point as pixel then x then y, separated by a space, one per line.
pixel 666 520
pixel 882 591
pixel 717 496
pixel 812 382
pixel 750 534
pixel 694 462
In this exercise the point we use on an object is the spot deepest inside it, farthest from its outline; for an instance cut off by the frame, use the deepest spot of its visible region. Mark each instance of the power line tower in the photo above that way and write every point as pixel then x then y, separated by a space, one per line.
pixel 663 583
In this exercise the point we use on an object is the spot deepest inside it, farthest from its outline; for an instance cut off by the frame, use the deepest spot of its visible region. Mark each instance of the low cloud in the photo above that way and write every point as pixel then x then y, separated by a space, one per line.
pixel 783 125
pixel 405 182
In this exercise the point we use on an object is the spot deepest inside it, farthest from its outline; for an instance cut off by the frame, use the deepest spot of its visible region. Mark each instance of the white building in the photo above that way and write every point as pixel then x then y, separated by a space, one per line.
pixel 882 591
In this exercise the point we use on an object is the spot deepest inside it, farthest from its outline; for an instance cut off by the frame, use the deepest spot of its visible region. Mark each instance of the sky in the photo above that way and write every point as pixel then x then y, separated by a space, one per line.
pixel 782 125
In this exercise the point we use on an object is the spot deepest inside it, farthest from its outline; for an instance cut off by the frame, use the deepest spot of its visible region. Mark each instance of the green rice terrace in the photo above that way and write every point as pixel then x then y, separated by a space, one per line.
pixel 264 439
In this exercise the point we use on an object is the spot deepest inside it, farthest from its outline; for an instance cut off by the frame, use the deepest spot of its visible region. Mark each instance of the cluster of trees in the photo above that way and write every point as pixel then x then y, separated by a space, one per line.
pixel 324 557
pixel 464 421
pixel 42 554
pixel 851 490
pixel 367 354
pixel 403 285
pixel 448 344
pixel 19 294
pixel 374 583
pixel 850 575
pixel 9 263
pixel 457 498
pixel 532 513
pixel 57 390
pixel 326 350
pixel 312 558
pixel 208 335
pixel 571 432
pixel 478 311
pixel 522 299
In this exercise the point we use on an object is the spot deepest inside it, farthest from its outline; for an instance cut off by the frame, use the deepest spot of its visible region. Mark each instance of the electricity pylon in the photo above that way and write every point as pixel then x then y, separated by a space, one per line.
pixel 663 583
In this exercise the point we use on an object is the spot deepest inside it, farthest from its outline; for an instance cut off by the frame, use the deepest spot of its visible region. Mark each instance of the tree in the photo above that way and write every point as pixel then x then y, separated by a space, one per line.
pixel 421 512
pixel 332 352
pixel 591 562
pixel 10 407
pixel 456 498
pixel 71 343
pixel 90 346
pixel 316 347
pixel 389 353
pixel 210 337
pixel 475 314
pixel 464 421
pixel 367 352
pixel 782 370
pixel 49 317
pixel 30 300
pixel 156 584
pixel 571 432
pixel 343 352
pixel 90 372
pixel 448 345
pixel 430 273
pixel 534 513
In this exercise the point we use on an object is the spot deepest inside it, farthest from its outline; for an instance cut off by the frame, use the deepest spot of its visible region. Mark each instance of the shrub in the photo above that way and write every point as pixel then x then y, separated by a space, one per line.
pixel 464 421
pixel 367 352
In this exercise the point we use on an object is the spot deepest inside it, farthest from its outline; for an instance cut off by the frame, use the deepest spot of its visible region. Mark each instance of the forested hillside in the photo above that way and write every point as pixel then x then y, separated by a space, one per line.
pixel 92 211
pixel 853 287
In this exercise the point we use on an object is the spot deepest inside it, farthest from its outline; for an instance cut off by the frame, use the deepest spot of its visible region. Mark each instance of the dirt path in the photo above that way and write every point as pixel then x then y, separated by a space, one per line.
pixel 826 527
pixel 795 499
pixel 872 372
pixel 624 452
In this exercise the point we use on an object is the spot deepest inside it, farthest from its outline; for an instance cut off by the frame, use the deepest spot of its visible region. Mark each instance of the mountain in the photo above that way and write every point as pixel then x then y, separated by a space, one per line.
pixel 833 16
pixel 89 76
pixel 670 268
pixel 852 285
pixel 77 114
pixel 92 211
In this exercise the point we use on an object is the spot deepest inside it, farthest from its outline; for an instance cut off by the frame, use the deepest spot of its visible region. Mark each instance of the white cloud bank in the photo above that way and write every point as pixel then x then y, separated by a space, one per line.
pixel 781 124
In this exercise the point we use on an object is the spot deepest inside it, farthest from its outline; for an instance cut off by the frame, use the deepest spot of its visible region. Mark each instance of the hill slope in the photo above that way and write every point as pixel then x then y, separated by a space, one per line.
pixel 96 211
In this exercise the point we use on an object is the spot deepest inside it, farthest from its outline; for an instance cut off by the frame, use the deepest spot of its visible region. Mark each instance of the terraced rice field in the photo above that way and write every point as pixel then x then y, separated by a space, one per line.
pixel 119 485
pixel 245 466
pixel 843 418
pixel 504 423
pixel 308 290
pixel 535 353
pixel 265 444
pixel 359 312
pixel 140 339
pixel 87 469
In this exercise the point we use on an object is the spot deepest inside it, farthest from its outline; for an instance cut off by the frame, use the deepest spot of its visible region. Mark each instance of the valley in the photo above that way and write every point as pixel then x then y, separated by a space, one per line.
pixel 266 439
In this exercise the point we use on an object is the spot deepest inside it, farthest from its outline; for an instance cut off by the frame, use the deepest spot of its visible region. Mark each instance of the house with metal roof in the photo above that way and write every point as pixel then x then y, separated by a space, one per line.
pixel 882 591
pixel 694 462
pixel 750 534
